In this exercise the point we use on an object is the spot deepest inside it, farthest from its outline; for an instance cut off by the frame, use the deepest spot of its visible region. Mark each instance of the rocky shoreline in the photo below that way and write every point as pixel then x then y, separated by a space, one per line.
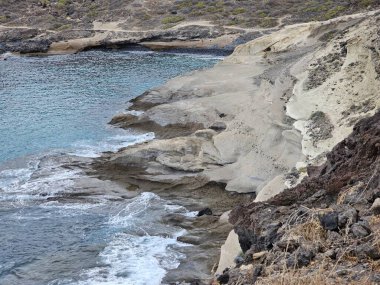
pixel 251 128
pixel 197 36
pixel 255 123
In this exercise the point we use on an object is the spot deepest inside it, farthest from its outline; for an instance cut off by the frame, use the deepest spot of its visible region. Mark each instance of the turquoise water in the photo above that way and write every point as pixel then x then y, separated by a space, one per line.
pixel 54 102
pixel 53 120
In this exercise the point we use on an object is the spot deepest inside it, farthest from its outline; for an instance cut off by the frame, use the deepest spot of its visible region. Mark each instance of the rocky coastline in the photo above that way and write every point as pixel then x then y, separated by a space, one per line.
pixel 284 132
pixel 257 124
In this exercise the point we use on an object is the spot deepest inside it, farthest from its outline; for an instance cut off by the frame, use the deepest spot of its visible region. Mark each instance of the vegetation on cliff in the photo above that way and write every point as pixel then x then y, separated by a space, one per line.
pixel 67 14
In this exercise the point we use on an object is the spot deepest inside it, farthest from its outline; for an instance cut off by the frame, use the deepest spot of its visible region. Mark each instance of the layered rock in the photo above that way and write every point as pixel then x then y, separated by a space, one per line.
pixel 252 124
pixel 232 125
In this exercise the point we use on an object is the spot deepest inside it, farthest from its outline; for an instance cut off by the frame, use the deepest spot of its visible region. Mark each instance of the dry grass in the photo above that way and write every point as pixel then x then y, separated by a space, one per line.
pixel 306 226
pixel 310 231
pixel 302 277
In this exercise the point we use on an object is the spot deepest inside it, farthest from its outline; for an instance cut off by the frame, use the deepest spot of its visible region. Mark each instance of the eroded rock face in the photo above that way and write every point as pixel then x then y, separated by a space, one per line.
pixel 315 219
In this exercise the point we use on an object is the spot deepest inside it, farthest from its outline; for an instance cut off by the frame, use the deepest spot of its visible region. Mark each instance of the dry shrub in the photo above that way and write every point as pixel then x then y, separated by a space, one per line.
pixel 302 277
pixel 307 226
pixel 310 231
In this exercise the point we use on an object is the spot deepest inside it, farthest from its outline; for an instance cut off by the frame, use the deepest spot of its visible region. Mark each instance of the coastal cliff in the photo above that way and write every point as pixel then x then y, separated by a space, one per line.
pixel 284 132
pixel 258 121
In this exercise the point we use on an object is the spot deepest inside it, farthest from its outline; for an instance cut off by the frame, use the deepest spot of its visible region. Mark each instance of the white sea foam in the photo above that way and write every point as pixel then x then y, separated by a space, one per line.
pixel 180 210
pixel 11 179
pixel 114 143
pixel 137 259
pixel 134 260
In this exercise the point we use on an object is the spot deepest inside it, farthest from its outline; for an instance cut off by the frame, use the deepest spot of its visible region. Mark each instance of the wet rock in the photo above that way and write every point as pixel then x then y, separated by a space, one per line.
pixel 205 211
pixel 189 239
pixel 359 231
pixel 28 46
pixel 329 221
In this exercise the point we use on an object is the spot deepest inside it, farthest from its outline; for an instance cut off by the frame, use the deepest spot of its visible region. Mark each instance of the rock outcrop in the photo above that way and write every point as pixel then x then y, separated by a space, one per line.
pixel 328 225
pixel 238 123
pixel 261 121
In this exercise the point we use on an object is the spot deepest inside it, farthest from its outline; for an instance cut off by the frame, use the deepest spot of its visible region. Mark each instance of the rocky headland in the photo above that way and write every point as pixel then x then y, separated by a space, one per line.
pixel 260 122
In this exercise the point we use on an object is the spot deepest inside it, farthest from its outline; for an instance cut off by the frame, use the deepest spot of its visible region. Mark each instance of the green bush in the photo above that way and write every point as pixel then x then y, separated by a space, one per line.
pixel 200 5
pixel 172 19
pixel 62 3
pixel 238 11
pixel 333 12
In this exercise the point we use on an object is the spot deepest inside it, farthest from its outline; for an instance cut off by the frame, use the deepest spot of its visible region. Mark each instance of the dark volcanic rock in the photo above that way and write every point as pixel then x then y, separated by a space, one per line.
pixel 329 221
pixel 224 278
pixel 329 214
pixel 359 230
pixel 206 211
pixel 28 46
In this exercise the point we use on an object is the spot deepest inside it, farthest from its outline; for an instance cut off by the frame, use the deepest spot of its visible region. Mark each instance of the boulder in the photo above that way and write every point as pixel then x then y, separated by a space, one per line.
pixel 329 221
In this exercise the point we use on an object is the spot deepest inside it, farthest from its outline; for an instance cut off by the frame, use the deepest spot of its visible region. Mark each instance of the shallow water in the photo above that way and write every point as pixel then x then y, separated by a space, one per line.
pixel 58 226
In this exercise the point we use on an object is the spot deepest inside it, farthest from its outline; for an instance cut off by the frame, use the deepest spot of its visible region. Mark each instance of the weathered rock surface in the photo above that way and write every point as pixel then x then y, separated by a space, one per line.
pixel 228 124
pixel 252 124
pixel 313 221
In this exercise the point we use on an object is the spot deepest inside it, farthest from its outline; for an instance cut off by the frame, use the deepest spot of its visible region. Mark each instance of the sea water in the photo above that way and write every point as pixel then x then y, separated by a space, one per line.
pixel 53 119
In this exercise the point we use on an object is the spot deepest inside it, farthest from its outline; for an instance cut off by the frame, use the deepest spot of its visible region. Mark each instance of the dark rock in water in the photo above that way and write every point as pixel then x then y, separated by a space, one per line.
pixel 224 278
pixel 329 221
pixel 205 211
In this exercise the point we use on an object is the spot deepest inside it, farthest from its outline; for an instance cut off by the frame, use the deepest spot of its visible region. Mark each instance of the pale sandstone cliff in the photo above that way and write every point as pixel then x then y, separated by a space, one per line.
pixel 238 122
